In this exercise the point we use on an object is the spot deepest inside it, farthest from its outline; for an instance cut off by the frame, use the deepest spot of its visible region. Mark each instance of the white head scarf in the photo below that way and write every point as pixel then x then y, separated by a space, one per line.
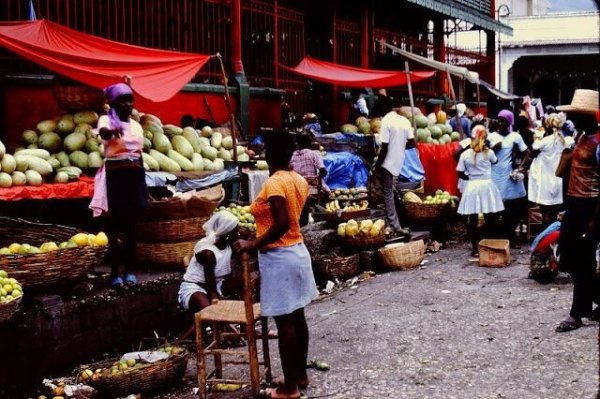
pixel 219 224
pixel 460 109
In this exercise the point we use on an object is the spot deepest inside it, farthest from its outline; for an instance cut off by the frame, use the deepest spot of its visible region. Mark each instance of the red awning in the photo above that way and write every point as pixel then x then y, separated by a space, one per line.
pixel 353 77
pixel 156 74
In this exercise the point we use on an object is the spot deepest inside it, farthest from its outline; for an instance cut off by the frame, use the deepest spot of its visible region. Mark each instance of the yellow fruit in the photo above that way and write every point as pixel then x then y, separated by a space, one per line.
pixel 341 230
pixel 123 366
pixel 48 247
pixel 130 362
pixel 16 293
pixel 351 228
pixel 24 249
pixel 4 251
pixel 91 239
pixel 85 374
pixel 14 248
pixel 42 397
pixel 8 288
pixel 3 274
pixel 81 239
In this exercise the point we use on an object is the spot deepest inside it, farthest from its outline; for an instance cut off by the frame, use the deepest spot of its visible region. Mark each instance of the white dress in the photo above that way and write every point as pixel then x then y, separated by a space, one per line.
pixel 194 278
pixel 545 188
pixel 480 193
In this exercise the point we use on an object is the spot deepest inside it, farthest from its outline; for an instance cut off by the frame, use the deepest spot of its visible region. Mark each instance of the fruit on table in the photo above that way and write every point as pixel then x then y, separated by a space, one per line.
pixel 412 197
pixel 242 213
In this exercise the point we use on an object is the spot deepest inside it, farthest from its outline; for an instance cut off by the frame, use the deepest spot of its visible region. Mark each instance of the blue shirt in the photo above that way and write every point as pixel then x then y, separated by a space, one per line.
pixel 466 125
pixel 509 189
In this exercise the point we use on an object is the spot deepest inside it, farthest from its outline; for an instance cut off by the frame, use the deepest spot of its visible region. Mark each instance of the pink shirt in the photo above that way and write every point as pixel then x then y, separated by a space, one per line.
pixel 131 143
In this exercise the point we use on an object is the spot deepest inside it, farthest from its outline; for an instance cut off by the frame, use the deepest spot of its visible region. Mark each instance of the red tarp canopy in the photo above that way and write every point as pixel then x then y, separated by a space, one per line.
pixel 347 76
pixel 440 167
pixel 157 75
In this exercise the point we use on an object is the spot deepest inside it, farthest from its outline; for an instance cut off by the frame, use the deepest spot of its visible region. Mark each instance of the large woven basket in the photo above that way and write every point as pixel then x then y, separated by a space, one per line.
pixel 424 215
pixel 8 309
pixel 334 266
pixel 168 254
pixel 402 256
pixel 362 243
pixel 45 268
pixel 73 96
pixel 165 231
pixel 333 218
pixel 148 377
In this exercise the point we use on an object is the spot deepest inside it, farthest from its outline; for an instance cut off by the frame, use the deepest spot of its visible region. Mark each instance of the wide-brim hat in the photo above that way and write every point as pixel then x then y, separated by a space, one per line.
pixel 584 102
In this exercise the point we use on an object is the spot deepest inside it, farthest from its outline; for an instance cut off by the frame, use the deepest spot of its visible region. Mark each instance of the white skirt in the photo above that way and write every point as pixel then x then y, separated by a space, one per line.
pixel 480 196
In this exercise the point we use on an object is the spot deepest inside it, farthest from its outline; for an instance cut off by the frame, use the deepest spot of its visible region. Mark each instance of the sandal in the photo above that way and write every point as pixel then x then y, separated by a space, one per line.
pixel 569 324
pixel 275 393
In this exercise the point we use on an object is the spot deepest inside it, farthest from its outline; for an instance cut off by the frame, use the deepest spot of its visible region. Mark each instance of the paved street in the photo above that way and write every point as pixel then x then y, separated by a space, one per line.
pixel 450 330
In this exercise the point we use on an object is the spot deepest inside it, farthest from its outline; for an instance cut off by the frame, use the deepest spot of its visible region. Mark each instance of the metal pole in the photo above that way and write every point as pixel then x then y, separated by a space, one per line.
pixel 410 96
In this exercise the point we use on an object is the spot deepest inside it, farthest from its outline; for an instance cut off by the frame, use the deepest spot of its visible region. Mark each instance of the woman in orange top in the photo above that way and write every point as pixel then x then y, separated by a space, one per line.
pixel 287 282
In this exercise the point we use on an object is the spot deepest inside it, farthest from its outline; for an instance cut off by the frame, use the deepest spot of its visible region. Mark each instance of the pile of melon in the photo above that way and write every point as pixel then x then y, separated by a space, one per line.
pixel 58 150
pixel 362 125
pixel 430 130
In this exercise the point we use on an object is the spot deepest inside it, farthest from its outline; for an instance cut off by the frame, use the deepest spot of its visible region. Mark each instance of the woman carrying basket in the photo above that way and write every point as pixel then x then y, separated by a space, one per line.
pixel 480 193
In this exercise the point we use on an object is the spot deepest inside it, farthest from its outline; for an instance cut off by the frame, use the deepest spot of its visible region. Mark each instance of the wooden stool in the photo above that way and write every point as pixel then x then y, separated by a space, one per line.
pixel 220 315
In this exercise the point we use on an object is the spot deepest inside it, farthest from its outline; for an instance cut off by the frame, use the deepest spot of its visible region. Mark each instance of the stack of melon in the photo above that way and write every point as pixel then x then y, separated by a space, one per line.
pixel 362 125
pixel 436 131
pixel 172 149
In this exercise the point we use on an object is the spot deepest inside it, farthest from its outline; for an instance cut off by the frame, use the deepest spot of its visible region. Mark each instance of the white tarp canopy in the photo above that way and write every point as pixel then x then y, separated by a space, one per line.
pixel 461 72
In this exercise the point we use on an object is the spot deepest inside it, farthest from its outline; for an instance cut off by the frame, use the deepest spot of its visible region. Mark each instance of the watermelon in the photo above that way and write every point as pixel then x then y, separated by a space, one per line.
pixel 349 128
pixel 422 121
pixel 436 132
pixel 50 141
pixel 455 136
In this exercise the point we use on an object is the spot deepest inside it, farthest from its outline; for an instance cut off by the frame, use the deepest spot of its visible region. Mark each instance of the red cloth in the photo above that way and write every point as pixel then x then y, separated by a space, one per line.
pixel 156 74
pixel 440 166
pixel 82 188
pixel 353 77
pixel 543 247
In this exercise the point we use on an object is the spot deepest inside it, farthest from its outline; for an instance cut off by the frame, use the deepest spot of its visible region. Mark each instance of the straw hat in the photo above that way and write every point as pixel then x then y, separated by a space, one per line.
pixel 584 102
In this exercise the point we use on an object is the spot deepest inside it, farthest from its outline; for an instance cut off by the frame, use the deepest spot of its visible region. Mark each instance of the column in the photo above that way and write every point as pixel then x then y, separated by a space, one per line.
pixel 439 53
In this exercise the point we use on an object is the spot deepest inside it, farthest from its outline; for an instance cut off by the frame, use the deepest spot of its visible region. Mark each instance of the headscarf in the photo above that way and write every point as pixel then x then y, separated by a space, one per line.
pixel 509 116
pixel 218 225
pixel 112 93
pixel 479 134
pixel 461 109
pixel 553 123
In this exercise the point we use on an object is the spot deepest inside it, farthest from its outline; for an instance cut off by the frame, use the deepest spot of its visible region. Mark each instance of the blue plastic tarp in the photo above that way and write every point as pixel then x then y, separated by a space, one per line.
pixel 359 139
pixel 412 170
pixel 345 170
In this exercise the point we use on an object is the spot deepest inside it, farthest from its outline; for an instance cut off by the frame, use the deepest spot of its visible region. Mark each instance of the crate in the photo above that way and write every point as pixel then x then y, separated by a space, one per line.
pixel 494 253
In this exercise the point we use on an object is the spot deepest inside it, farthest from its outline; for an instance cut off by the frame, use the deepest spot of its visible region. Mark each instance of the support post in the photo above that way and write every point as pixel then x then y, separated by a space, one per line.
pixel 410 96
pixel 237 65
pixel 439 51
pixel 364 36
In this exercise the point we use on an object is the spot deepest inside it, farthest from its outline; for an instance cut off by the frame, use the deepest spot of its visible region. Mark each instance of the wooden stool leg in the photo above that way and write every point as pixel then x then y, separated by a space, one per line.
pixel 253 359
pixel 264 321
pixel 217 356
pixel 200 359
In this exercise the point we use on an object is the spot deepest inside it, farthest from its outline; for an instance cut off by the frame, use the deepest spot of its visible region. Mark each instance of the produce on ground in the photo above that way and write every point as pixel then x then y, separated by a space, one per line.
pixel 440 198
pixel 334 206
pixel 348 193
pixel 10 289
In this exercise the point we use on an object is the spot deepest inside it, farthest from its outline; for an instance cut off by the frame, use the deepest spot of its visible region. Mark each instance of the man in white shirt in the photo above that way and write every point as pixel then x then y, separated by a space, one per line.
pixel 396 135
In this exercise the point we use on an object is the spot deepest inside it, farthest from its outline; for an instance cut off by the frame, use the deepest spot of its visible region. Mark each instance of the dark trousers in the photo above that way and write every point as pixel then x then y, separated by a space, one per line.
pixel 514 210
pixel 578 254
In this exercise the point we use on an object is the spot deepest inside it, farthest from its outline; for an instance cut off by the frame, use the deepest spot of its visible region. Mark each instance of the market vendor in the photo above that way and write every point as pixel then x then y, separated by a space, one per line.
pixel 459 122
pixel 209 265
pixel 120 190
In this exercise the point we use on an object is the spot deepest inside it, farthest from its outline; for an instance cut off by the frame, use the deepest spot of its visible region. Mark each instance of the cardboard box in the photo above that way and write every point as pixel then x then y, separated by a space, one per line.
pixel 494 253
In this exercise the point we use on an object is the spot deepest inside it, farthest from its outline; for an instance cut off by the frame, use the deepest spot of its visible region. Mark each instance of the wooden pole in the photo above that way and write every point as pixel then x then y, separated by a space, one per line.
pixel 410 96
pixel 478 100
pixel 232 119
pixel 452 93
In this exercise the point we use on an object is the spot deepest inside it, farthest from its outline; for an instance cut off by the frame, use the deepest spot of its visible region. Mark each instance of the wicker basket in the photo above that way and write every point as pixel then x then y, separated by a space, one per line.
pixel 424 215
pixel 45 268
pixel 362 243
pixel 334 266
pixel 165 231
pixel 8 309
pixel 73 96
pixel 164 254
pixel 334 218
pixel 403 256
pixel 148 377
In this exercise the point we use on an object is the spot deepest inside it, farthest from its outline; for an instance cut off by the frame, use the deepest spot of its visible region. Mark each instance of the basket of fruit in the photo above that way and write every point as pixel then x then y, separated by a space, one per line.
pixel 401 256
pixel 335 213
pixel 242 212
pixel 367 235
pixel 142 371
pixel 352 194
pixel 38 260
pixel 425 210
pixel 71 95
pixel 11 294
